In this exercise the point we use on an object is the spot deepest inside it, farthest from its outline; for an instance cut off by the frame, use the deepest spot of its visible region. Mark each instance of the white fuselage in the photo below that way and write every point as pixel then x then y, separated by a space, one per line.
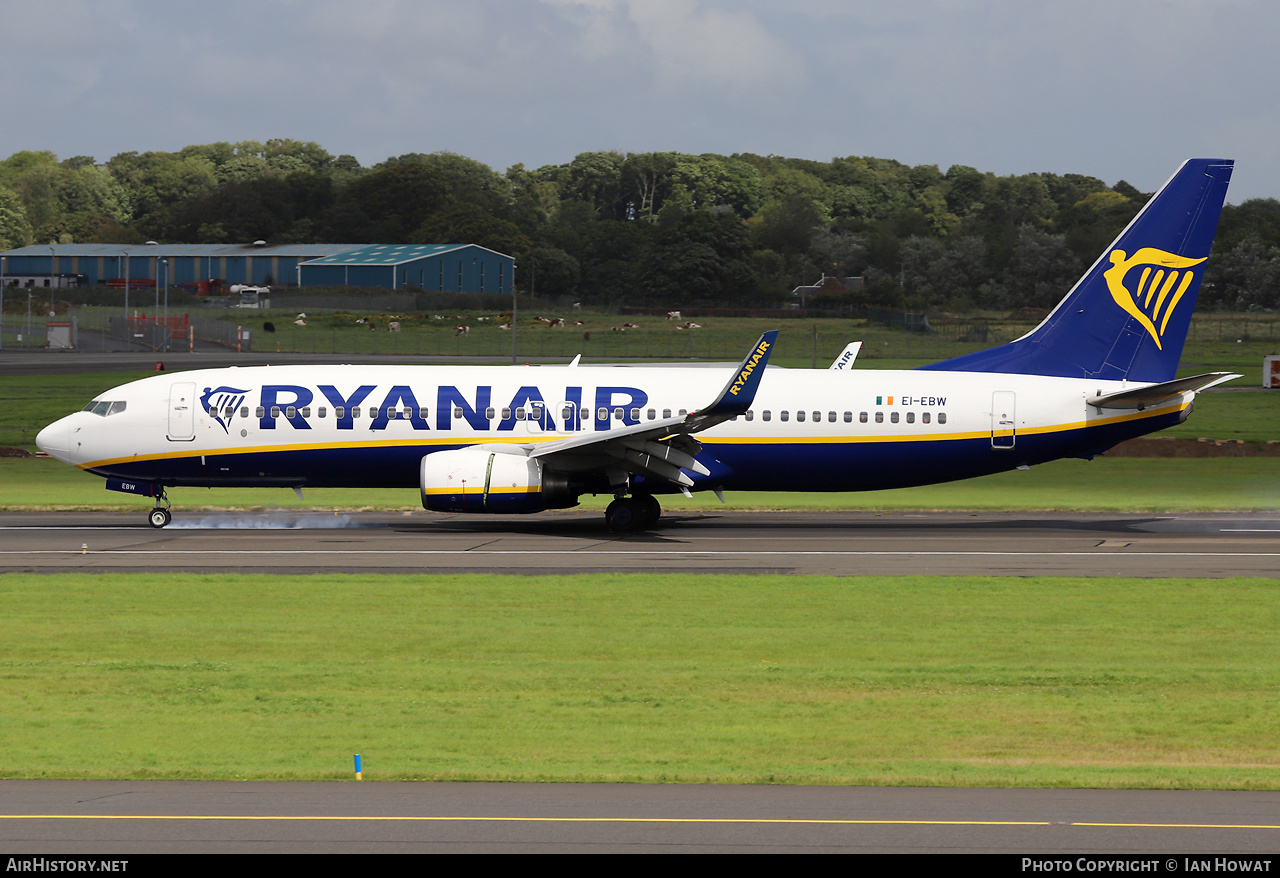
pixel 807 430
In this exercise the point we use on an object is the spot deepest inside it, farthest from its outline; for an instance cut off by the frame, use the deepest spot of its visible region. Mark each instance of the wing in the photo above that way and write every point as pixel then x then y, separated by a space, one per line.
pixel 661 449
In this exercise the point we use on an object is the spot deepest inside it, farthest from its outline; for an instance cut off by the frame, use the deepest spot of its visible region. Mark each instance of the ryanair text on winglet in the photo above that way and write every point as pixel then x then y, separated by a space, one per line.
pixel 745 375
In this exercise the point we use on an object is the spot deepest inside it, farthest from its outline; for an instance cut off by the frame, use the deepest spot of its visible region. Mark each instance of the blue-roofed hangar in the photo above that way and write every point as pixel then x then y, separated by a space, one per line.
pixel 454 268
pixel 457 268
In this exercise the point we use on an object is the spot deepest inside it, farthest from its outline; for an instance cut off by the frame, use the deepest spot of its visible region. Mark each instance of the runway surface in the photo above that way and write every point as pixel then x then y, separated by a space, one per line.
pixel 828 543
pixel 108 818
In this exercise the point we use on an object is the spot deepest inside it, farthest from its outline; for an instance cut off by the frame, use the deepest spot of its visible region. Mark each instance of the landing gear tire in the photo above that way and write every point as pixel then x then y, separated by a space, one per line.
pixel 159 517
pixel 630 514
pixel 652 509
pixel 624 515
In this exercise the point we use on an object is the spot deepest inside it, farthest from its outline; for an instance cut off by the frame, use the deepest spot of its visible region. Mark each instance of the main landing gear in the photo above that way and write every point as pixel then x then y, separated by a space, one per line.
pixel 635 513
pixel 160 516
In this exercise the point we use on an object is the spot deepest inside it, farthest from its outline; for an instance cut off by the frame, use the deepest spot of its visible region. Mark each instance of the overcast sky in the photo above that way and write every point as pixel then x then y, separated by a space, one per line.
pixel 1116 89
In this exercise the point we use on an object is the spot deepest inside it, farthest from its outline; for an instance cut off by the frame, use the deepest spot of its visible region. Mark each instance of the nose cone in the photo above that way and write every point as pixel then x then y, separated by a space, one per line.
pixel 55 440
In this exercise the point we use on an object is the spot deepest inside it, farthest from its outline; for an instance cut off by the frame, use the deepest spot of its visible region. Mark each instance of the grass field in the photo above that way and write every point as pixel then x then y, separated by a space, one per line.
pixel 955 681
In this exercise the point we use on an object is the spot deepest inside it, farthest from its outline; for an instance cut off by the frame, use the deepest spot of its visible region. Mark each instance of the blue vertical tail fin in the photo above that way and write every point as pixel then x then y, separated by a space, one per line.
pixel 1127 318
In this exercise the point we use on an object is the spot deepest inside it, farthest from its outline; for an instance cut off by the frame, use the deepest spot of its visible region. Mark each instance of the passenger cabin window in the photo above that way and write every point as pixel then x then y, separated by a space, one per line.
pixel 911 417
pixel 879 417
pixel 784 415
pixel 766 415
pixel 942 417
pixel 862 417
pixel 893 417
pixel 800 416
pixel 924 418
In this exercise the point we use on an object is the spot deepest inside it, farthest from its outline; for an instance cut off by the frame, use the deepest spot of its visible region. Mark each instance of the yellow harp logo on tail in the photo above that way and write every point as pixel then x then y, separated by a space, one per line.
pixel 1155 291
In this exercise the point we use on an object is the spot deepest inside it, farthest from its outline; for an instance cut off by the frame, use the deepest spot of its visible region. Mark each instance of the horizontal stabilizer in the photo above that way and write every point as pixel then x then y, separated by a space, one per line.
pixel 1156 394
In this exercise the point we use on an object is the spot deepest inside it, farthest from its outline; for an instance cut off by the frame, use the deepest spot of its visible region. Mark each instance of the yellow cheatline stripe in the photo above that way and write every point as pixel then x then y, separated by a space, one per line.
pixel 691 820
pixel 478 490
pixel 709 440
pixel 316 446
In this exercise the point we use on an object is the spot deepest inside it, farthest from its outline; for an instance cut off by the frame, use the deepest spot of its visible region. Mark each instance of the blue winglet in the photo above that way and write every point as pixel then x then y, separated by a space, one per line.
pixel 740 392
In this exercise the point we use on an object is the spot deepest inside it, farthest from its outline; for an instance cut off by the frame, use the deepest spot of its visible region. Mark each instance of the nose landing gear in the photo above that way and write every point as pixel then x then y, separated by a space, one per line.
pixel 160 515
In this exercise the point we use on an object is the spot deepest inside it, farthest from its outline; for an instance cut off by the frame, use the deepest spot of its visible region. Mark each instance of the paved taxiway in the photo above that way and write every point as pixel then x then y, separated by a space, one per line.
pixel 105 818
pixel 829 543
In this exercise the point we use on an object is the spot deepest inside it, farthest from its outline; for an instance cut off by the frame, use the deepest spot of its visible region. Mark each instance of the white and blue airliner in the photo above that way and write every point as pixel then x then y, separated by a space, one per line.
pixel 1099 370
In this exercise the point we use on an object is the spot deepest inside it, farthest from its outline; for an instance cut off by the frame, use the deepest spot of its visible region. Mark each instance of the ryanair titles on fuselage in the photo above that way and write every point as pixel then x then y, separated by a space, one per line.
pixel 448 404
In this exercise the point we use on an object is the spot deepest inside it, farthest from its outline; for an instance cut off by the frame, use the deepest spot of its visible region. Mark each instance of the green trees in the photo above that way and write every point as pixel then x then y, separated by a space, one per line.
pixel 664 228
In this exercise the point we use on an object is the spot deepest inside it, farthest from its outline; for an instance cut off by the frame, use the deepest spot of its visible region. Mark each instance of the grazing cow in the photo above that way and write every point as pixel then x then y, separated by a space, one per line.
pixel 673 315
pixel 460 330
pixel 299 322
pixel 689 325
pixel 631 326
pixel 302 316
pixel 557 323
pixel 504 325
pixel 393 326
pixel 362 320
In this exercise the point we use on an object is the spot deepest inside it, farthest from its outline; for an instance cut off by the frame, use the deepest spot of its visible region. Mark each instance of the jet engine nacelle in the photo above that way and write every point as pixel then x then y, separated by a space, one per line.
pixel 481 480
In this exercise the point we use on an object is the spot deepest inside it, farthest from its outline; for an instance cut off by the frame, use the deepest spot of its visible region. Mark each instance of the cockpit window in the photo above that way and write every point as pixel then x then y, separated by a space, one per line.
pixel 105 407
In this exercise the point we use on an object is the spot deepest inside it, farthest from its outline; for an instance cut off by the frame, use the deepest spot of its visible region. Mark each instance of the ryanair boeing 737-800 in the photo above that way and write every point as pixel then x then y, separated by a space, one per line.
pixel 1100 369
